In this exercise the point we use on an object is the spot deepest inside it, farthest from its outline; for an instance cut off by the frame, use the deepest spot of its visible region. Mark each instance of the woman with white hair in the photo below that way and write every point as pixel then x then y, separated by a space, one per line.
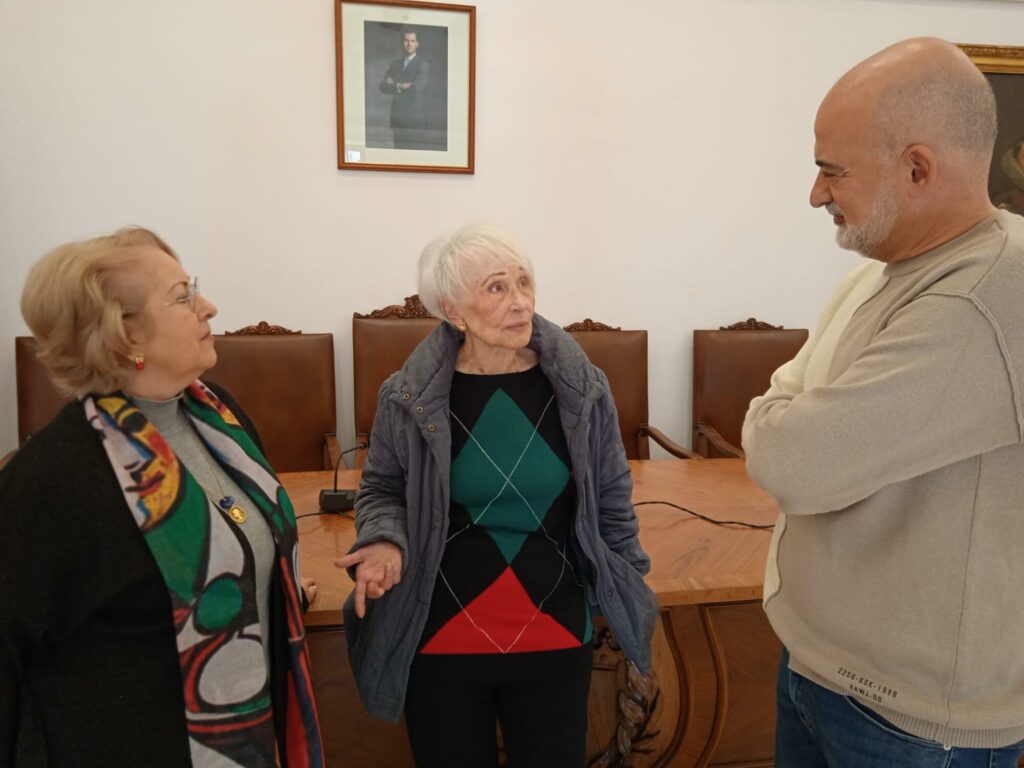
pixel 494 521
pixel 151 612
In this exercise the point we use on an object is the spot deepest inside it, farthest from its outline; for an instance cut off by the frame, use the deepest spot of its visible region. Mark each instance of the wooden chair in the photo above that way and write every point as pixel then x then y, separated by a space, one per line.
pixel 732 366
pixel 384 338
pixel 381 342
pixel 622 355
pixel 38 398
pixel 284 380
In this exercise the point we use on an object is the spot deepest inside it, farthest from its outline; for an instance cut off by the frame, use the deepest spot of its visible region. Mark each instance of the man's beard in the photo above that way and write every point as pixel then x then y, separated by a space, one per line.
pixel 866 238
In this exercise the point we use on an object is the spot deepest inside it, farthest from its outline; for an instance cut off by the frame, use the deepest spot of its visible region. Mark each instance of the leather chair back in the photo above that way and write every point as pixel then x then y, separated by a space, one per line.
pixel 381 344
pixel 732 366
pixel 38 398
pixel 285 384
pixel 622 355
pixel 283 381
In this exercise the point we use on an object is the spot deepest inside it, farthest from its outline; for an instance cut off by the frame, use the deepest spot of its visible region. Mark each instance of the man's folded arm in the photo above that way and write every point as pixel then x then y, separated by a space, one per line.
pixel 931 389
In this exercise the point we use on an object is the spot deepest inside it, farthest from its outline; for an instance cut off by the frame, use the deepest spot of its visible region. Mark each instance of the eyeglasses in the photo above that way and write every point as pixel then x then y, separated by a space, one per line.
pixel 189 298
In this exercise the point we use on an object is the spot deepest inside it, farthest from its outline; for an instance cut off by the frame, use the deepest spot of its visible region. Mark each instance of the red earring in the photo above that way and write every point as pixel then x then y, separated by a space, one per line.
pixel 140 362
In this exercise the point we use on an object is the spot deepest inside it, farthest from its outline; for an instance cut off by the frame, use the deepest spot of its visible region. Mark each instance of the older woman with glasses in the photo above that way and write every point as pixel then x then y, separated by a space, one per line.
pixel 151 611
pixel 494 520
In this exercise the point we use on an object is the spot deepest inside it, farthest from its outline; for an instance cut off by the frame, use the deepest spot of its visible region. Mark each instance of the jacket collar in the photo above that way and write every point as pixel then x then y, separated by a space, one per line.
pixel 427 375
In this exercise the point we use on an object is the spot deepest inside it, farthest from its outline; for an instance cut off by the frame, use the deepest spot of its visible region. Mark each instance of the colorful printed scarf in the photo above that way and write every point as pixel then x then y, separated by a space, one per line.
pixel 209 571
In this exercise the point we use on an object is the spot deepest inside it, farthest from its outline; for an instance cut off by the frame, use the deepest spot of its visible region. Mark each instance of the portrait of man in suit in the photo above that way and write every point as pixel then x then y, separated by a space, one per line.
pixel 406 97
pixel 406 81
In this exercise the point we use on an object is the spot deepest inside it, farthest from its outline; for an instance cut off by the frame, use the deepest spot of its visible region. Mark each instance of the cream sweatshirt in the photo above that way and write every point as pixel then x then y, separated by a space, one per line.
pixel 894 445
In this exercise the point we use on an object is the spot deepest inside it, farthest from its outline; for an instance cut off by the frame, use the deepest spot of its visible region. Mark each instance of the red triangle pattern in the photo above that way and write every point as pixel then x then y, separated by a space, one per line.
pixel 502 610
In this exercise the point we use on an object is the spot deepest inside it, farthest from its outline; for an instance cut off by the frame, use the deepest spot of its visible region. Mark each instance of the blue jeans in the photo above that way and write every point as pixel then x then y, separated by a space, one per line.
pixel 817 728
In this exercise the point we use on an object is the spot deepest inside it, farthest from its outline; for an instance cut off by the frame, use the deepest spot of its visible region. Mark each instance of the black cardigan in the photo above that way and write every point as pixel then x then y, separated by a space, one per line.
pixel 89 672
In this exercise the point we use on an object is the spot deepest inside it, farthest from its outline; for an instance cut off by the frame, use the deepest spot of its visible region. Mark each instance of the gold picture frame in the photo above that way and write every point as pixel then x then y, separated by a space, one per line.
pixel 1005 59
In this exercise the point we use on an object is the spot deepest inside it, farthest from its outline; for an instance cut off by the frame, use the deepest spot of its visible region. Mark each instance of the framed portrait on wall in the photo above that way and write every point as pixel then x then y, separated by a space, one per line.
pixel 1004 68
pixel 405 74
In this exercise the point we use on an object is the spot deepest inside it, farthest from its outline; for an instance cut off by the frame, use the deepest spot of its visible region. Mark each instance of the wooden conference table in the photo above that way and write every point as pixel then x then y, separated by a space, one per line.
pixel 714 653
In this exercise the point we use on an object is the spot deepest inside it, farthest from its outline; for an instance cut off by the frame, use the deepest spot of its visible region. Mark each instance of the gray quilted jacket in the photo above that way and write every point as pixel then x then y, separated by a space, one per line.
pixel 404 499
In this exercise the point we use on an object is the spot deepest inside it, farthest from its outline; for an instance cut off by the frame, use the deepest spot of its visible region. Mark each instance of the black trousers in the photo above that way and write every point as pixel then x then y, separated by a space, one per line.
pixel 543 722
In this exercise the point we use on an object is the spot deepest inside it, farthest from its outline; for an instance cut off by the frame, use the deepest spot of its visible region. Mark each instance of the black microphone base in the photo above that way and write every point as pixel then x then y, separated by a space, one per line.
pixel 337 501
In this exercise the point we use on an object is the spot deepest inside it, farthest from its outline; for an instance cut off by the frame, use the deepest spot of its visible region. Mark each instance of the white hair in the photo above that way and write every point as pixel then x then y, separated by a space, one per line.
pixel 451 265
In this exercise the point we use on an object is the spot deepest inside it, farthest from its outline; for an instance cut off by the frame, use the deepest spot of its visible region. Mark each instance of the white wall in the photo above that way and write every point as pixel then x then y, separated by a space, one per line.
pixel 654 156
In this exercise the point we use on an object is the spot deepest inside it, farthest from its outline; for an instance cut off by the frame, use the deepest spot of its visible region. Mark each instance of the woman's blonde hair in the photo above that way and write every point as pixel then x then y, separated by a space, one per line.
pixel 76 301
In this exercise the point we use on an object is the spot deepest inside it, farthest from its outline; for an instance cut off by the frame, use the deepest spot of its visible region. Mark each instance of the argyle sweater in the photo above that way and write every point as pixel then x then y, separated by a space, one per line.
pixel 508 593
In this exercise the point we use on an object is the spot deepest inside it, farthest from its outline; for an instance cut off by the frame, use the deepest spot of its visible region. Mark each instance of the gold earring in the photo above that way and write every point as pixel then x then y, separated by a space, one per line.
pixel 140 362
pixel 461 327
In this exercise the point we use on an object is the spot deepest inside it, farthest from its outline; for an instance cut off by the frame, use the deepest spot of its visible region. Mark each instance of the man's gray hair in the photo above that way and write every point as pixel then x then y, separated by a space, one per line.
pixel 452 265
pixel 951 105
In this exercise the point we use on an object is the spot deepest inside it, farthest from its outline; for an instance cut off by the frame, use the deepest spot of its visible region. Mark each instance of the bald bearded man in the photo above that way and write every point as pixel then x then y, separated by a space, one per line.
pixel 894 442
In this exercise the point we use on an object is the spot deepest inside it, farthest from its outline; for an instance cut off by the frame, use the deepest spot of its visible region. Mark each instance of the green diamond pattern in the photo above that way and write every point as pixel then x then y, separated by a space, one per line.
pixel 503 430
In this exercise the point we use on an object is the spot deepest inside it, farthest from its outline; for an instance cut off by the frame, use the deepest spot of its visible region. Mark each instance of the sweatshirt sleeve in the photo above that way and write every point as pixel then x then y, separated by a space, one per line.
pixel 933 388
pixel 788 379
